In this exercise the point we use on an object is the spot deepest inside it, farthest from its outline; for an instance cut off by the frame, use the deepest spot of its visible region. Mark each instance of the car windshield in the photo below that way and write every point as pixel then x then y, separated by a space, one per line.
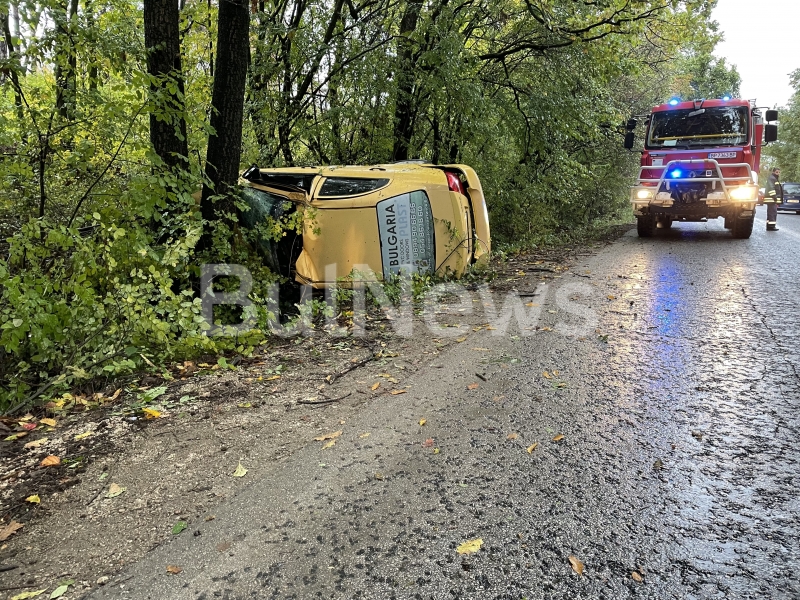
pixel 720 126
pixel 791 188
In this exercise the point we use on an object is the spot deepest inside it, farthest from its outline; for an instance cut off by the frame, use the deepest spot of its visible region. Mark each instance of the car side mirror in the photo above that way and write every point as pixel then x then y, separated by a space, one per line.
pixel 770 133
pixel 771 115
pixel 629 139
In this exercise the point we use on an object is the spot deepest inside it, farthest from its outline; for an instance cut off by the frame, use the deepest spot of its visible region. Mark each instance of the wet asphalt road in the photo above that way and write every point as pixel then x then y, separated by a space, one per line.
pixel 680 458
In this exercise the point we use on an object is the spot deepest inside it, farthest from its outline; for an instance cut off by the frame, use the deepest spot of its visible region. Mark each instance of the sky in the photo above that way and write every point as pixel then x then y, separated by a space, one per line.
pixel 761 39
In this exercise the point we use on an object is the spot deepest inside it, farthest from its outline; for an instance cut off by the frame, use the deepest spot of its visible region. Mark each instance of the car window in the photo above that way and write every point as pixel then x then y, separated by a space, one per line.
pixel 350 186
pixel 791 188
pixel 405 226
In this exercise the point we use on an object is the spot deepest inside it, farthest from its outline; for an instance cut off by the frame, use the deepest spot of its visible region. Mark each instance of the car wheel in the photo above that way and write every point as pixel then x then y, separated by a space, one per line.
pixel 743 228
pixel 645 225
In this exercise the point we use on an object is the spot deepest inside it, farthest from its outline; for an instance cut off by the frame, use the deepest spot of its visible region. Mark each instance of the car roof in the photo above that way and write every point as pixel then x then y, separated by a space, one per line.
pixel 355 170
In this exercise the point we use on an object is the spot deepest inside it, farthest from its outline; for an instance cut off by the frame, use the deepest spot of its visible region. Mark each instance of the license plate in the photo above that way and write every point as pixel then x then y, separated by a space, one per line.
pixel 722 155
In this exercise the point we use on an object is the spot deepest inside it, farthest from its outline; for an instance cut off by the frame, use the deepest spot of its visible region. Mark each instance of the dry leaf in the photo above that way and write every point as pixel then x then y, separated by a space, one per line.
pixel 577 565
pixel 511 436
pixel 272 378
pixel 470 546
pixel 547 375
pixel 481 349
pixel 36 443
pixel 115 490
pixel 379 476
pixel 610 297
pixel 8 530
pixel 384 375
pixel 115 395
pixel 173 569
pixel 240 471
pixel 151 413
pixel 16 436
pixel 328 436
pixel 82 436
pixel 26 595
pixel 422 422
pixel 48 422
pixel 330 444
pixel 532 447
pixel 473 386
pixel 559 437
pixel 51 461
pixel 33 499
pixel 461 339
pixel 531 304
pixel 396 392
pixel 636 577
pixel 375 386
pixel 428 443
pixel 436 451
pixel 364 435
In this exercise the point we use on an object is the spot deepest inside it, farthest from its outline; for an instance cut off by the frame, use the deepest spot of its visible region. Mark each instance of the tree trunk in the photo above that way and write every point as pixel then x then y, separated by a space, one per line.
pixel 404 103
pixel 8 43
pixel 167 121
pixel 227 99
pixel 66 60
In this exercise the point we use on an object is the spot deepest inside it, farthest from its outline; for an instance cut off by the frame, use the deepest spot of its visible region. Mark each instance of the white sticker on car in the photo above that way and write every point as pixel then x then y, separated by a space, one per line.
pixel 405 226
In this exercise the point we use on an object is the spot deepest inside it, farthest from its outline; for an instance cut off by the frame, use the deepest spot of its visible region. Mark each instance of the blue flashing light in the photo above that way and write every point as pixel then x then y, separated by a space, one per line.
pixel 676 173
pixel 726 98
pixel 674 102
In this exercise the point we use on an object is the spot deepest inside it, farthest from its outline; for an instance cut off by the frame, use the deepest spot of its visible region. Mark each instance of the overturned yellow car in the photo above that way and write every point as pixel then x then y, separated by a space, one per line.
pixel 378 221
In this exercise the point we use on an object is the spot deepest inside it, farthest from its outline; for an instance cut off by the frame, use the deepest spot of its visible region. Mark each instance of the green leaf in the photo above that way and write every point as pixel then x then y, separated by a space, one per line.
pixel 178 527
pixel 62 589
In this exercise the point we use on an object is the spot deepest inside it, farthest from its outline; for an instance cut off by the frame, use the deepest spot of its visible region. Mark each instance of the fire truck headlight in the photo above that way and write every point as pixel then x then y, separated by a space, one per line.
pixel 744 192
pixel 644 194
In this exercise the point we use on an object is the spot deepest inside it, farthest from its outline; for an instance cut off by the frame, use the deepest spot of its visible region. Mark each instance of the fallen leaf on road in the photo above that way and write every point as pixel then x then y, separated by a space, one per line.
pixel 328 436
pixel 481 349
pixel 115 490
pixel 223 546
pixel 396 392
pixel 178 527
pixel 470 547
pixel 26 595
pixel 151 413
pixel 473 386
pixel 422 422
pixel 610 297
pixel 240 471
pixel 531 304
pixel 658 465
pixel 51 461
pixel 375 386
pixel 555 373
pixel 16 436
pixel 364 435
pixel 272 378
pixel 82 436
pixel 61 590
pixel 174 570
pixel 532 447
pixel 379 476
pixel 428 443
pixel 698 435
pixel 28 426
pixel 436 451
pixel 8 530
pixel 547 375
pixel 330 444
pixel 48 422
pixel 33 499
pixel 577 565
pixel 36 443
pixel 244 405
pixel 636 577
pixel 512 436
pixel 559 437
pixel 461 339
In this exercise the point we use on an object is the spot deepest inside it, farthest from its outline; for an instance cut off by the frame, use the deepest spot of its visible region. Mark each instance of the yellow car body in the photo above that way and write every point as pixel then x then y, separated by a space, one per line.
pixel 377 220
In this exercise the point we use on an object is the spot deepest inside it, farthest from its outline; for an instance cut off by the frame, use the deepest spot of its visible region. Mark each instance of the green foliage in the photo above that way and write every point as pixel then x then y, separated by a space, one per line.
pixel 786 152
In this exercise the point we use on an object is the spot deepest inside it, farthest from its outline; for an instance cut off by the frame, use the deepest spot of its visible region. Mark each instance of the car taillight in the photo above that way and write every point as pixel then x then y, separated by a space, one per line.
pixel 454 183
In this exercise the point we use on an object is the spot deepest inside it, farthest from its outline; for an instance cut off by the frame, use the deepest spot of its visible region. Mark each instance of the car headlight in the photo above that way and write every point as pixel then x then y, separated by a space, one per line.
pixel 644 194
pixel 744 192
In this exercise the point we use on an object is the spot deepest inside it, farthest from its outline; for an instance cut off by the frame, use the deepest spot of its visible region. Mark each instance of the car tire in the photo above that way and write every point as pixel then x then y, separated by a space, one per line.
pixel 797 211
pixel 645 225
pixel 742 228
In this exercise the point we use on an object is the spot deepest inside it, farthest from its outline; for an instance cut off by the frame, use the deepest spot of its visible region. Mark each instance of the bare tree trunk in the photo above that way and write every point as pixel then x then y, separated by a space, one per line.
pixel 162 39
pixel 225 144
pixel 404 103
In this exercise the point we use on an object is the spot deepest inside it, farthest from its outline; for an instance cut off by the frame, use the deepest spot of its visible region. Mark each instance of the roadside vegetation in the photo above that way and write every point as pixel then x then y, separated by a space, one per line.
pixel 114 114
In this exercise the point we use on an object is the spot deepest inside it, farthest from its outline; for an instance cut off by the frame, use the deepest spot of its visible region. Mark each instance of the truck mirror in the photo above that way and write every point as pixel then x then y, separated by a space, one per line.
pixel 770 133
pixel 771 115
pixel 629 137
pixel 630 125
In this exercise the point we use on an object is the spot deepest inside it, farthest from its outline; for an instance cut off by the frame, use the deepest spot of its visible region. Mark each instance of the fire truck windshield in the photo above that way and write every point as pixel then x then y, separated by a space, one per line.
pixel 690 128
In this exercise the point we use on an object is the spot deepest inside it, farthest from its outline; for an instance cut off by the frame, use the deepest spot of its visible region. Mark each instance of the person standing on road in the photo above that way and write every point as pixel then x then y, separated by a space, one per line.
pixel 772 198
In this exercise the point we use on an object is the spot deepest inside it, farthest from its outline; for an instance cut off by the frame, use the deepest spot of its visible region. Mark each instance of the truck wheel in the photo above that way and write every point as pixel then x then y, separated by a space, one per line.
pixel 666 224
pixel 742 228
pixel 645 225
pixel 729 222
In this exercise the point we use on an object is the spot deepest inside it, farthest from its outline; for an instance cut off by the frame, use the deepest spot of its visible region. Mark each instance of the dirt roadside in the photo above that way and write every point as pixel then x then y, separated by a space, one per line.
pixel 176 467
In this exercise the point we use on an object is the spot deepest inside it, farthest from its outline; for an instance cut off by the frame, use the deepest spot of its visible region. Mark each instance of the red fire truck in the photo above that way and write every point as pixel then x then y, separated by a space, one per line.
pixel 700 161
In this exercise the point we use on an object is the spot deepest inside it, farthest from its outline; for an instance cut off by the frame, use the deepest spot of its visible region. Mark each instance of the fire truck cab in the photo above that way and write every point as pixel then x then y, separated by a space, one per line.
pixel 700 161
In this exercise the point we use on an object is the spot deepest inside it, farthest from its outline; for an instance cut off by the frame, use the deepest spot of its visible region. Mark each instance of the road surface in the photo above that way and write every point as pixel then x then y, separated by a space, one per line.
pixel 677 475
